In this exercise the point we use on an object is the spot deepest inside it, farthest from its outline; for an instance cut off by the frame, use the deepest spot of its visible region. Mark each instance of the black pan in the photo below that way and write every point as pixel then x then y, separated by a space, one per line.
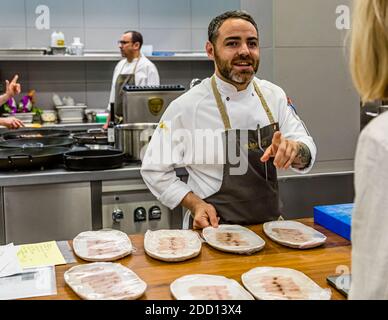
pixel 22 159
pixel 34 133
pixel 94 159
pixel 37 143
pixel 91 138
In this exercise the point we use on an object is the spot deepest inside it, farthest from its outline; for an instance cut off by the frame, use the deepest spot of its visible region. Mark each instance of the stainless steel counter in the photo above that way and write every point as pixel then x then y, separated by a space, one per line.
pixel 132 171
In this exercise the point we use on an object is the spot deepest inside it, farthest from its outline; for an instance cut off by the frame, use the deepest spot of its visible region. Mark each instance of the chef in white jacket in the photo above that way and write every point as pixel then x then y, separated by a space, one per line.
pixel 369 66
pixel 251 116
pixel 135 69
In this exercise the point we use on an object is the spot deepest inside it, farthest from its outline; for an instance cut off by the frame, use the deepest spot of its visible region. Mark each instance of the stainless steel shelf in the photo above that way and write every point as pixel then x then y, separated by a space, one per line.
pixel 101 57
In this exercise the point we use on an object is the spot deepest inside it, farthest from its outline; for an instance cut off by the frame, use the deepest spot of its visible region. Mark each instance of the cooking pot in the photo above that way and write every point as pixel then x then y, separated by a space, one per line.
pixel 37 142
pixel 31 133
pixel 93 139
pixel 11 159
pixel 94 159
pixel 133 138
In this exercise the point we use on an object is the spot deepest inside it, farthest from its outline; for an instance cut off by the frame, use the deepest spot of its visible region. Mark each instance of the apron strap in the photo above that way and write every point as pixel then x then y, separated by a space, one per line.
pixel 129 76
pixel 222 109
pixel 220 105
pixel 264 103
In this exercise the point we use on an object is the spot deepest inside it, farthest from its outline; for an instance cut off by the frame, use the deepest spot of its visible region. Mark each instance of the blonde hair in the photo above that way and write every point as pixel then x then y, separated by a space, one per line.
pixel 369 49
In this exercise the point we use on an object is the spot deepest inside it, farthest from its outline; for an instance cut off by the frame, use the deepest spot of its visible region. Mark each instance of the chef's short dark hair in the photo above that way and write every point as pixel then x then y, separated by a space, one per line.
pixel 217 22
pixel 136 37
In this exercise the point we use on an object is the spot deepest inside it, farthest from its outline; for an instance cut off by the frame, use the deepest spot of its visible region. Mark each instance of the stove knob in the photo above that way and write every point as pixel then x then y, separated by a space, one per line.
pixel 154 213
pixel 117 215
pixel 140 214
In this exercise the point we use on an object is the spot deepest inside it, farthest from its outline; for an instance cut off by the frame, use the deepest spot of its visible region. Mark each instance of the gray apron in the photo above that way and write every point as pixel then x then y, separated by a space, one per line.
pixel 253 197
pixel 121 81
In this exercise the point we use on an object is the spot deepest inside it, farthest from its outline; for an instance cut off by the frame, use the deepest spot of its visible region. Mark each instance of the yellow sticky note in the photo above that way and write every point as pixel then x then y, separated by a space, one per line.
pixel 40 254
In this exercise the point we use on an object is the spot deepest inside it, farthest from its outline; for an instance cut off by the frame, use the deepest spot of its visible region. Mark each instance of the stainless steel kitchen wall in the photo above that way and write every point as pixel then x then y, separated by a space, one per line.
pixel 311 65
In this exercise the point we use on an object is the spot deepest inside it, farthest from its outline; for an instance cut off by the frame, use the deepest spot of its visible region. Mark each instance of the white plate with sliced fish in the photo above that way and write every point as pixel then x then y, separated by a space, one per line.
pixel 267 283
pixel 102 245
pixel 208 287
pixel 105 281
pixel 233 238
pixel 293 234
pixel 172 245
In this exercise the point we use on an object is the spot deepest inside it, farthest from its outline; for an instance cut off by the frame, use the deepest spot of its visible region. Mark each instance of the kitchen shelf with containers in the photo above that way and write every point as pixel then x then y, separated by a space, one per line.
pixel 41 55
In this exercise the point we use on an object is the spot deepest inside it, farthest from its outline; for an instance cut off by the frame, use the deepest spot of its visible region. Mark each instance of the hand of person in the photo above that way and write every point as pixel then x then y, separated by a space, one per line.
pixel 284 151
pixel 205 215
pixel 12 88
pixel 11 123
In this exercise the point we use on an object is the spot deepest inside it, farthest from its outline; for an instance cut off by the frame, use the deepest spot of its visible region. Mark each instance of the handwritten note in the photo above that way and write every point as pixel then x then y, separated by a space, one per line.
pixel 40 254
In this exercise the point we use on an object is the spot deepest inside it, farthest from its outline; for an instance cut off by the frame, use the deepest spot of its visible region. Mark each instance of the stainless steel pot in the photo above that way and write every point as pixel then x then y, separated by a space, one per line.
pixel 133 138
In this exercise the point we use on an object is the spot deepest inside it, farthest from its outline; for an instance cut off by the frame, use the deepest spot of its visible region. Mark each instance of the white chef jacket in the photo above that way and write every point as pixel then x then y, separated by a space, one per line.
pixel 146 74
pixel 197 109
pixel 370 216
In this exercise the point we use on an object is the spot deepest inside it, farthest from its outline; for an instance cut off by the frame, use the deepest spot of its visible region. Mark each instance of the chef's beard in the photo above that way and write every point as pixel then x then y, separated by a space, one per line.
pixel 226 69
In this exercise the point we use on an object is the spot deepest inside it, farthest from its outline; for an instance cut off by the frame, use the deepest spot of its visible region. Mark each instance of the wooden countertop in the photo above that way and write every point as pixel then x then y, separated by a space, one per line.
pixel 317 263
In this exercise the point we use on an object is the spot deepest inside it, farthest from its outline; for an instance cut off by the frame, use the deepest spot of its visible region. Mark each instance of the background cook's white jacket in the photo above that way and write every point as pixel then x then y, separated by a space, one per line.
pixel 197 109
pixel 146 74
pixel 370 215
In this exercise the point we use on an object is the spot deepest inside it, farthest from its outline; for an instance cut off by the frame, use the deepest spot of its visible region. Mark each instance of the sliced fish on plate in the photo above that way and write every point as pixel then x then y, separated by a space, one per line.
pixel 268 283
pixel 105 281
pixel 233 238
pixel 208 287
pixel 102 245
pixel 293 234
pixel 172 245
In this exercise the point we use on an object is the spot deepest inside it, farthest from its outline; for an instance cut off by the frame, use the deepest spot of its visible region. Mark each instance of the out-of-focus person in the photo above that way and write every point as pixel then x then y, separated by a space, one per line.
pixel 11 89
pixel 135 69
pixel 369 67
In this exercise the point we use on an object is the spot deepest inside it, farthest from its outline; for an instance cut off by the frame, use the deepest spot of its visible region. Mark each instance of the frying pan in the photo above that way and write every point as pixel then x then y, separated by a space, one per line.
pixel 94 159
pixel 19 159
pixel 37 143
pixel 34 133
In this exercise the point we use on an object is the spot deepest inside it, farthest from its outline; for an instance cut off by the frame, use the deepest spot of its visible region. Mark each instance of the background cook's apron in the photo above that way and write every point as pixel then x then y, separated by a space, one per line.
pixel 253 197
pixel 121 81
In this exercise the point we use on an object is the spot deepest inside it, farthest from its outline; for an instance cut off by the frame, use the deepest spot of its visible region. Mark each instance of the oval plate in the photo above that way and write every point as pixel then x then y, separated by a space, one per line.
pixel 233 239
pixel 293 234
pixel 208 287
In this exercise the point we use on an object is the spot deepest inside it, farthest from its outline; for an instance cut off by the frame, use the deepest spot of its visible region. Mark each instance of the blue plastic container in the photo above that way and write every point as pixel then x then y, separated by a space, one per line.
pixel 336 218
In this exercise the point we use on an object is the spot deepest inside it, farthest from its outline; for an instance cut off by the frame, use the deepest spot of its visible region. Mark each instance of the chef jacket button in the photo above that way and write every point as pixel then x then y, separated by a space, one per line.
pixel 227 98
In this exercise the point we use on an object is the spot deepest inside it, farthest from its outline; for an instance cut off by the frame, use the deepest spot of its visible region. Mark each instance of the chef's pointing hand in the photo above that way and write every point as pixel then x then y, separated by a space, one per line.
pixel 284 151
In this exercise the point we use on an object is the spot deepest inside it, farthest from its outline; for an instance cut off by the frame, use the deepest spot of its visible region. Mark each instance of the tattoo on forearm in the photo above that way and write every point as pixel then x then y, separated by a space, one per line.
pixel 303 157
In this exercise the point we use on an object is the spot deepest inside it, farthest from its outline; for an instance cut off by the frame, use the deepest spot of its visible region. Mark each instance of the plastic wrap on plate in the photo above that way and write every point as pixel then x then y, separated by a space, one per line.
pixel 105 281
pixel 233 238
pixel 102 245
pixel 208 287
pixel 293 234
pixel 172 245
pixel 267 283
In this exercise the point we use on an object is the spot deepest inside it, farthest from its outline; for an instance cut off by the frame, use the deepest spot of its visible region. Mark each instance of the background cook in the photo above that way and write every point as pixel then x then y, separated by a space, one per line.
pixel 135 69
